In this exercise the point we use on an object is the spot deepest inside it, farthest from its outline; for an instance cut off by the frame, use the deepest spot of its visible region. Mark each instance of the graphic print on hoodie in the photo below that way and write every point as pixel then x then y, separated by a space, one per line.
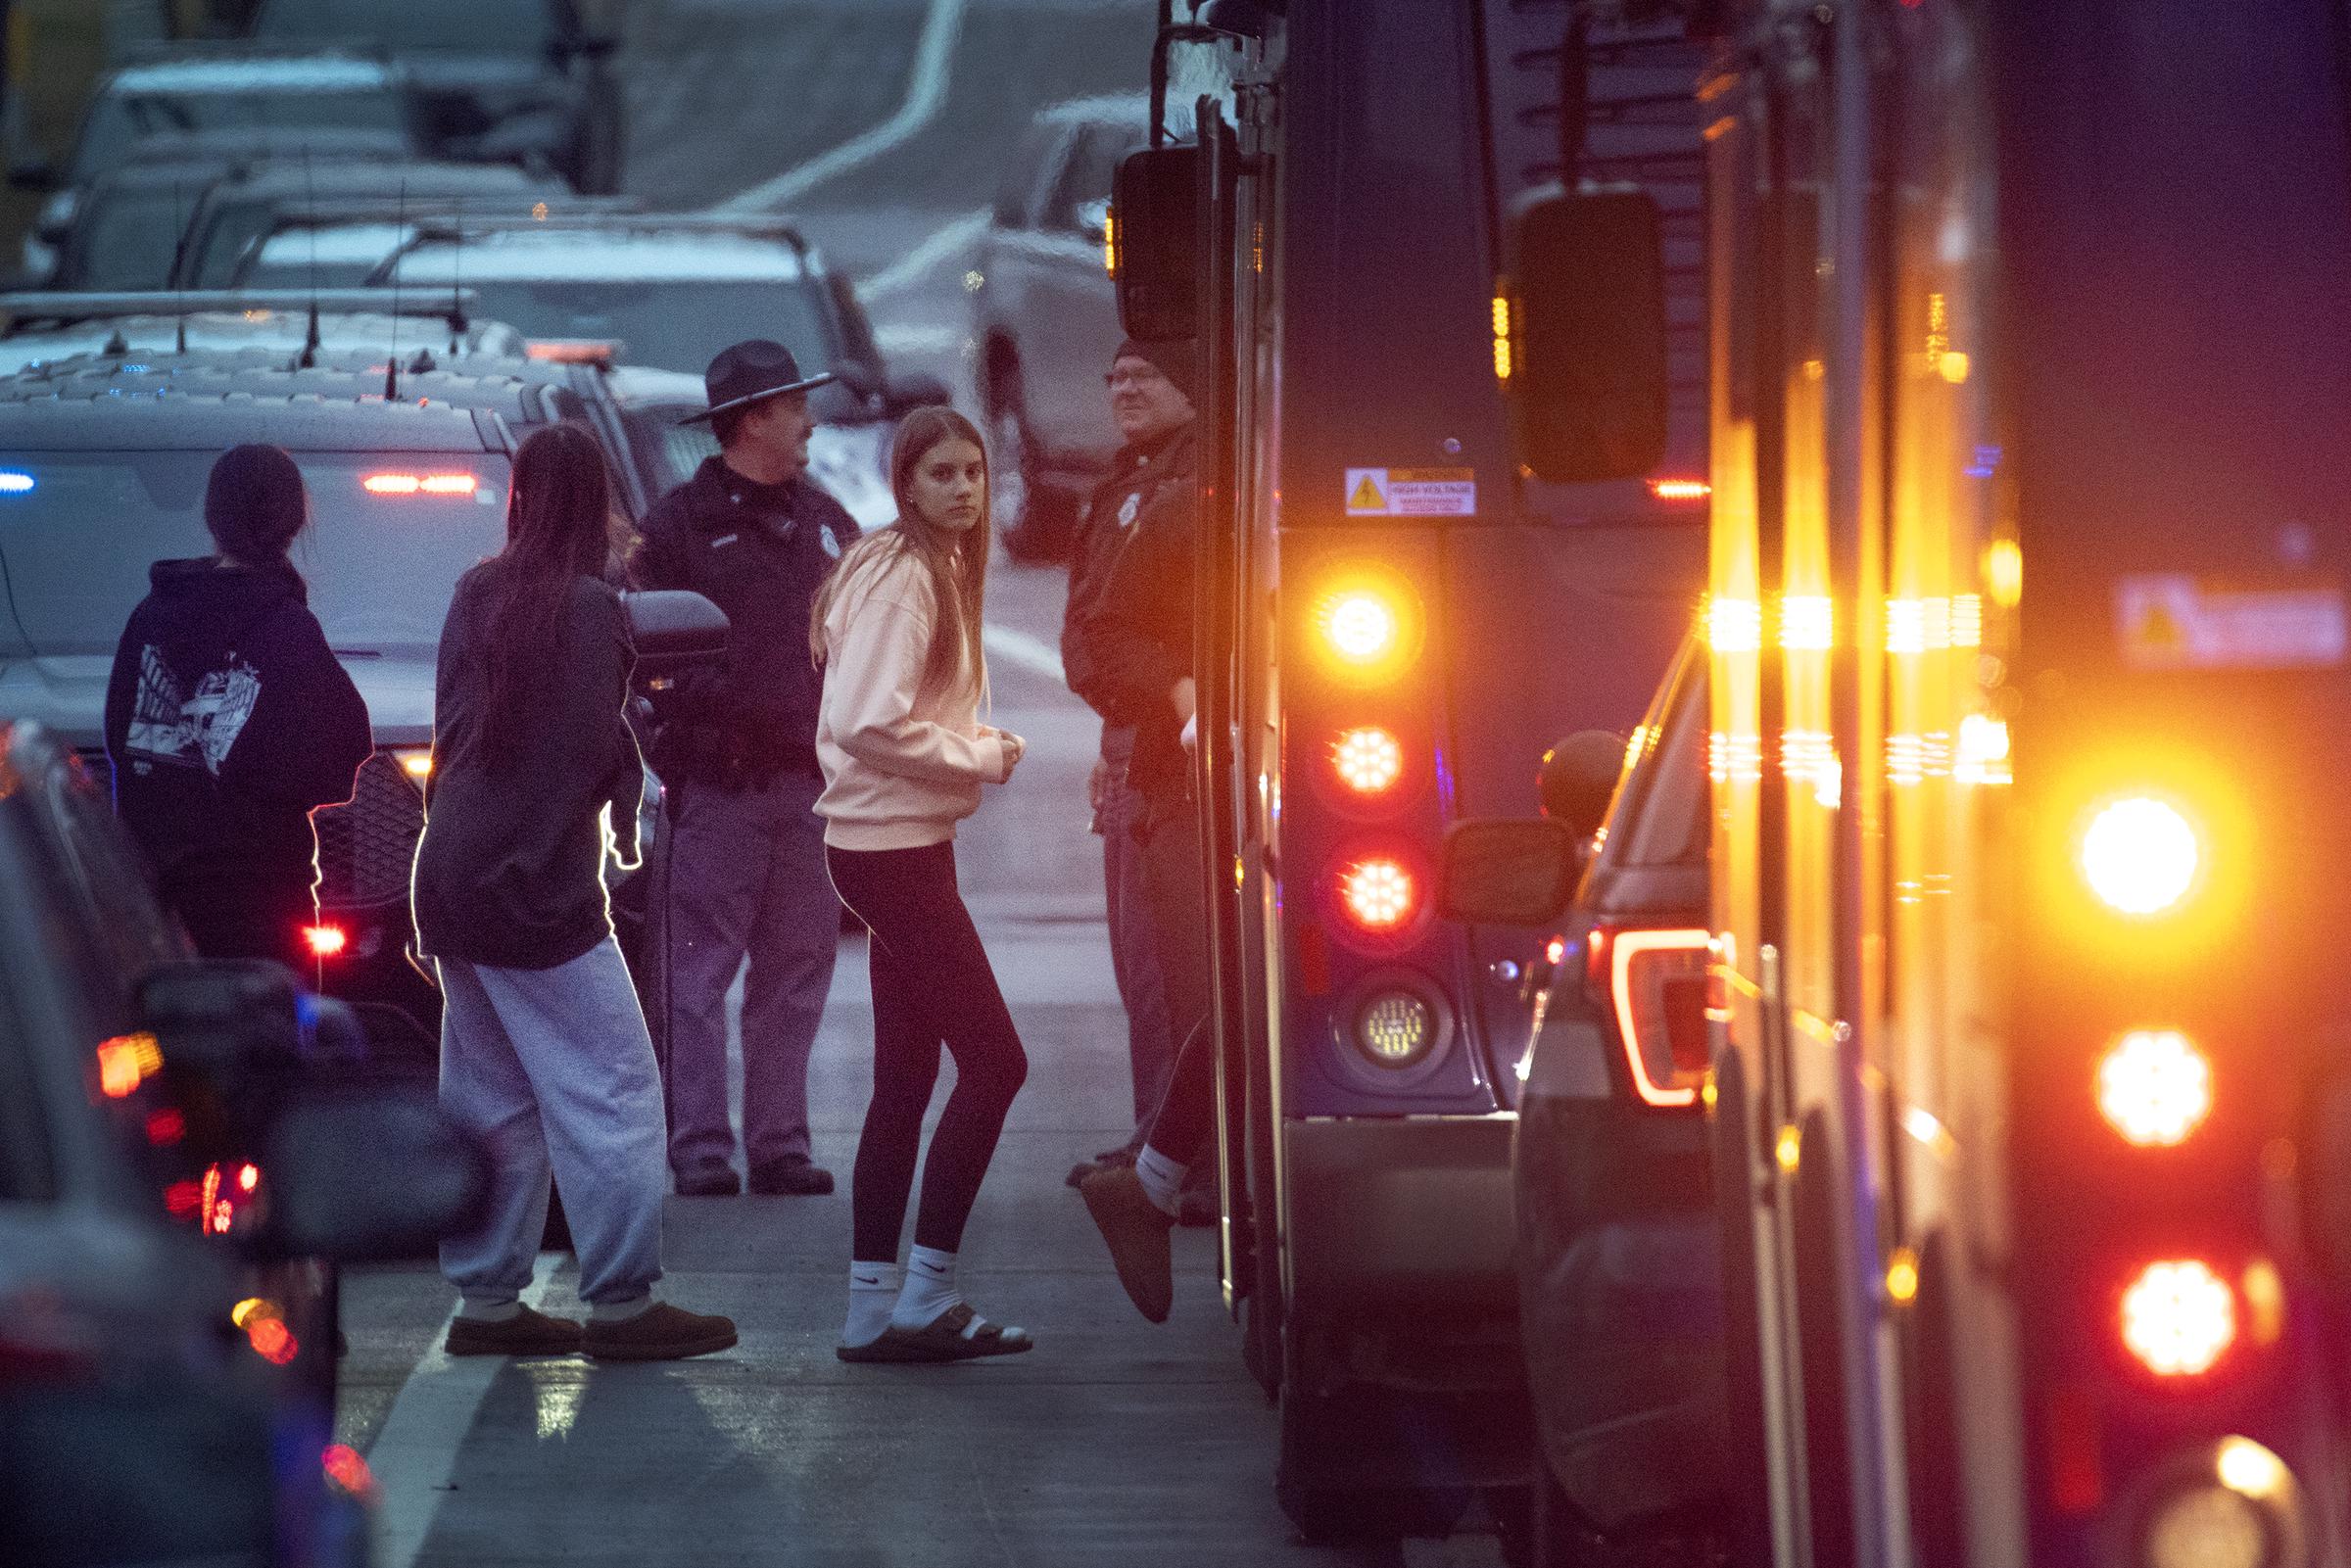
pixel 190 732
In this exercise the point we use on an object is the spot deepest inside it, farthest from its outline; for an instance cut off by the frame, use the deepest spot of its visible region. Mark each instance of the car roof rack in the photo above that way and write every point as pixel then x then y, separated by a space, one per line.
pixel 583 217
pixel 452 305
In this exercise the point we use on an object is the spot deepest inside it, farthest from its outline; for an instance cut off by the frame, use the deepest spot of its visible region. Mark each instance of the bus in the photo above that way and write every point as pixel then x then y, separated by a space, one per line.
pixel 2027 638
pixel 1424 249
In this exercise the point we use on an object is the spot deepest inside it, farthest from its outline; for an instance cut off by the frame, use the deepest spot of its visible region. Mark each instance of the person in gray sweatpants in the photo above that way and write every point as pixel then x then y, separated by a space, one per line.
pixel 748 890
pixel 545 1057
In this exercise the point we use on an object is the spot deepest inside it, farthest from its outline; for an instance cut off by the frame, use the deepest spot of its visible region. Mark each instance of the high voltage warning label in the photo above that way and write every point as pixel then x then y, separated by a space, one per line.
pixel 1411 491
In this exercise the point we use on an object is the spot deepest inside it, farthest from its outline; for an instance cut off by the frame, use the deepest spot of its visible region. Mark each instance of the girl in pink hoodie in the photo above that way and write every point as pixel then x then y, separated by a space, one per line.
pixel 896 628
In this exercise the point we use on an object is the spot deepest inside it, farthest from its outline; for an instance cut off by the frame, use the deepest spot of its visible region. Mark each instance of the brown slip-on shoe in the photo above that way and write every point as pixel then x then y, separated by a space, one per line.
pixel 659 1333
pixel 526 1333
pixel 1137 1232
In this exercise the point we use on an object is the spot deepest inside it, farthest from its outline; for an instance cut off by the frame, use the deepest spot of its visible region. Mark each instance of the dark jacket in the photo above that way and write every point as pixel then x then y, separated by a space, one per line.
pixel 1126 633
pixel 759 552
pixel 509 872
pixel 229 720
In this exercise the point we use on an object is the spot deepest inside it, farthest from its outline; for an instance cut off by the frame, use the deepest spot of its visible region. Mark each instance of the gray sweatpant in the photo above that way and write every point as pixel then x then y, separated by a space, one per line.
pixel 746 881
pixel 554 1067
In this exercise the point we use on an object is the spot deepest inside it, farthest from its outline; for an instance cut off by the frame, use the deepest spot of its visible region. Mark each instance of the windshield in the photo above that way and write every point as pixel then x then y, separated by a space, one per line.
pixel 668 326
pixel 121 119
pixel 76 544
pixel 487 27
pixel 128 241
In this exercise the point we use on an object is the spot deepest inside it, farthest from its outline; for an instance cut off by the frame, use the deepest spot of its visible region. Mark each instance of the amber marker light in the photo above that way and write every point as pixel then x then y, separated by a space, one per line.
pixel 2154 1088
pixel 126 1062
pixel 2178 1318
pixel 416 764
pixel 1680 489
pixel 1379 893
pixel 1368 760
pixel 2139 855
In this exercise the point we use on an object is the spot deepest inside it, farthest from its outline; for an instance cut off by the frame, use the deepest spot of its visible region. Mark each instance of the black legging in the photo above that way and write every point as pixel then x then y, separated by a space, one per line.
pixel 932 983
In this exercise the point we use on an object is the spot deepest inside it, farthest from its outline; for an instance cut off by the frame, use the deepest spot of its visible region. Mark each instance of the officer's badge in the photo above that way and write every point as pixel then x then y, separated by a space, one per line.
pixel 1128 507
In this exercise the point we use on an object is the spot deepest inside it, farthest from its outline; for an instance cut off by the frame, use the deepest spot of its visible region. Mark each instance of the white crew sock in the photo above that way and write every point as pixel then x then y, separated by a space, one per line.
pixel 872 1292
pixel 620 1311
pixel 1162 1179
pixel 929 1289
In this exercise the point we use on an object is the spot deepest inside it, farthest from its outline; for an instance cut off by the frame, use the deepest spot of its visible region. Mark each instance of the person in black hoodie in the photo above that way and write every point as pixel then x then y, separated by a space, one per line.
pixel 229 721
pixel 544 1049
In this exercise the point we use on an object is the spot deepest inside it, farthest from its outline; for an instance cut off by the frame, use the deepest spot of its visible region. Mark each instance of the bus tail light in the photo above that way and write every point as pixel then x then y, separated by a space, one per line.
pixel 1366 625
pixel 2178 1318
pixel 2154 1088
pixel 1396 1029
pixel 1379 893
pixel 1368 760
pixel 2139 855
pixel 1656 984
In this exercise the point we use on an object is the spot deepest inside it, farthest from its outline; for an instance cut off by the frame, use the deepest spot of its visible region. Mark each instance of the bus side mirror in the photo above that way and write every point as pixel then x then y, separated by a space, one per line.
pixel 1585 362
pixel 1508 871
pixel 1154 242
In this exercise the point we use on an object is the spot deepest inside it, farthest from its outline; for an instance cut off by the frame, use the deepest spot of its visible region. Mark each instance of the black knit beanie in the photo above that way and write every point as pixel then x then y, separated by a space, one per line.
pixel 254 505
pixel 1173 360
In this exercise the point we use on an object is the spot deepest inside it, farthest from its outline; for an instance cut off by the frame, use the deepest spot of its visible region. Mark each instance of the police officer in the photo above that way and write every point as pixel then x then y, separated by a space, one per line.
pixel 1150 403
pixel 1133 665
pixel 738 750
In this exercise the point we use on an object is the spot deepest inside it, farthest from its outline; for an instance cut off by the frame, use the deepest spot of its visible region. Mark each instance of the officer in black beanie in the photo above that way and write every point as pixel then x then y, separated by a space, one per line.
pixel 229 720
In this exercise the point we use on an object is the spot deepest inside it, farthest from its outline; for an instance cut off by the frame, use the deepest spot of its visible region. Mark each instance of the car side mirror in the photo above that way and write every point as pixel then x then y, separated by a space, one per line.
pixel 36 174
pixel 1584 368
pixel 902 395
pixel 674 628
pixel 1579 779
pixel 370 1170
pixel 1508 871
pixel 1154 245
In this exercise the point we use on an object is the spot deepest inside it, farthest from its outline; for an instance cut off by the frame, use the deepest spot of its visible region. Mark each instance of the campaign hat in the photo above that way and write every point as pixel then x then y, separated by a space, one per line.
pixel 753 371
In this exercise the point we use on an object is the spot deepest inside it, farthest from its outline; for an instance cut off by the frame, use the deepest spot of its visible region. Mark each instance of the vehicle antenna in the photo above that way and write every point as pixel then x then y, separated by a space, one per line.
pixel 179 257
pixel 310 202
pixel 399 224
pixel 456 278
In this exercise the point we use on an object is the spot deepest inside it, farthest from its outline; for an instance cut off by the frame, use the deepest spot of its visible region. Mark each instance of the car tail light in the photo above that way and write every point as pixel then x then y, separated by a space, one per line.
pixel 325 941
pixel 265 1330
pixel 2178 1318
pixel 421 484
pixel 2154 1088
pixel 1655 985
pixel 349 1471
pixel 2139 855
pixel 1380 895
pixel 1368 760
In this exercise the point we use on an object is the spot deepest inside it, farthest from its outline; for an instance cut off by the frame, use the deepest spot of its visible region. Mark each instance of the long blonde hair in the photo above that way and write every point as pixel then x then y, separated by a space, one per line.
pixel 957 560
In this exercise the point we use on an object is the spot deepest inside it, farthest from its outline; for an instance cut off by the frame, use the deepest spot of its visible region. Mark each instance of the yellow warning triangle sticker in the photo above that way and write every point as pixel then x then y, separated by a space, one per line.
pixel 2158 630
pixel 1366 497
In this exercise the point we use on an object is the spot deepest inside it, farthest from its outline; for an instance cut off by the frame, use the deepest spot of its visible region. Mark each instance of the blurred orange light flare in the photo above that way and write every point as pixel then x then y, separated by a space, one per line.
pixel 1380 895
pixel 126 1062
pixel 1680 489
pixel 2178 1318
pixel 1368 760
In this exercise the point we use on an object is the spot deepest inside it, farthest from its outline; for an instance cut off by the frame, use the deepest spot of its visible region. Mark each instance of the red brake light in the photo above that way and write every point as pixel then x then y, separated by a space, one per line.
pixel 1369 760
pixel 1380 895
pixel 325 941
pixel 2178 1318
pixel 1657 987
pixel 421 484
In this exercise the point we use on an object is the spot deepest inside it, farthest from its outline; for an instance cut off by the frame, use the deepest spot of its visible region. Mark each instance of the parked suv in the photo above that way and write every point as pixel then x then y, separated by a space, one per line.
pixel 522 81
pixel 1047 322
pixel 1618 1250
